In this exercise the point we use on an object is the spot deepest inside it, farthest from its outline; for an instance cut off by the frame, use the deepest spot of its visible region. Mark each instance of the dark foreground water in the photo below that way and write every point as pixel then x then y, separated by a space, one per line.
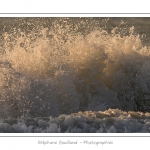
pixel 74 75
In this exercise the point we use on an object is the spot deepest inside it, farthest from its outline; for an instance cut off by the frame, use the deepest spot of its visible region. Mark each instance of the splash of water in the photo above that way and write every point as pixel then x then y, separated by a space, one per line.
pixel 61 69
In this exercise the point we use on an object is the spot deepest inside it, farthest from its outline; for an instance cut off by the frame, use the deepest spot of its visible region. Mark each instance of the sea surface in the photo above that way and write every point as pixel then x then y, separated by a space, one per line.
pixel 75 75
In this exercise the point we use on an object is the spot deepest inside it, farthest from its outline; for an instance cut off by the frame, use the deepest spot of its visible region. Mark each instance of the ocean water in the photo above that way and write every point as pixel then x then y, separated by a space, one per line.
pixel 75 75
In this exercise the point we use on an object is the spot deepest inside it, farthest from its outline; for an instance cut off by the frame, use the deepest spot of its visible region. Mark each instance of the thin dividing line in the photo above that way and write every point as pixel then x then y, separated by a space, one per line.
pixel 74 13
pixel 75 136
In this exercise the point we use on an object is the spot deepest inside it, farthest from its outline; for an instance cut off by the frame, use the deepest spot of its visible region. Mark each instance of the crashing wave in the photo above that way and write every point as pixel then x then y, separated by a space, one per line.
pixel 59 68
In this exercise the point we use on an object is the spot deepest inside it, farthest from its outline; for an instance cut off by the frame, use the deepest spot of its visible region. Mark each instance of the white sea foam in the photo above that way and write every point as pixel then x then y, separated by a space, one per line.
pixel 110 121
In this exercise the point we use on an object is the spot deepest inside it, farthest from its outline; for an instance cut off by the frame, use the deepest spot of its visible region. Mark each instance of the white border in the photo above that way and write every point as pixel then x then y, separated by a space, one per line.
pixel 74 15
pixel 74 6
